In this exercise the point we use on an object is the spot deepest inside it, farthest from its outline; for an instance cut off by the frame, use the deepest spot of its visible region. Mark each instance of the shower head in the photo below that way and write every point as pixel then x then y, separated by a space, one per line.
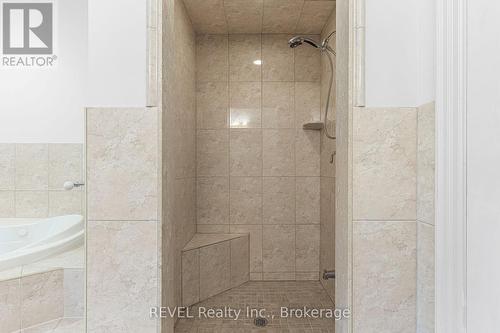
pixel 299 40
pixel 323 46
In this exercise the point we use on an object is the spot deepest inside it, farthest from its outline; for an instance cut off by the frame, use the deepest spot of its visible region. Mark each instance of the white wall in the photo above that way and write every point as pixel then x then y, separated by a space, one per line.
pixel 117 53
pixel 483 161
pixel 101 53
pixel 46 105
pixel 400 52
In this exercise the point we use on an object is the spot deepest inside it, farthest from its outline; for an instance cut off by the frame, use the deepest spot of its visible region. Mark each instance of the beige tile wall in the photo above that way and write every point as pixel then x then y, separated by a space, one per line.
pixel 327 168
pixel 257 170
pixel 32 177
pixel 425 218
pixel 259 16
pixel 179 152
pixel 122 250
pixel 37 298
pixel 384 219
pixel 213 267
pixel 384 276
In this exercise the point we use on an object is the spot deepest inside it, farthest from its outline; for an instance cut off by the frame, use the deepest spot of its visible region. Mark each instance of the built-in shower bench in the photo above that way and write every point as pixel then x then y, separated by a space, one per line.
pixel 213 263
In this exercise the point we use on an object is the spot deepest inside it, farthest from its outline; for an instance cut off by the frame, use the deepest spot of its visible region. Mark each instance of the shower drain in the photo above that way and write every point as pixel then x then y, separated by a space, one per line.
pixel 260 322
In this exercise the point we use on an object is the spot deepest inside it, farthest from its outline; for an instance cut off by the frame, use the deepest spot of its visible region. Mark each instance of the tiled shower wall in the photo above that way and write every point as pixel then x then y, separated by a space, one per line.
pixel 32 177
pixel 258 171
pixel 179 144
pixel 425 218
pixel 328 159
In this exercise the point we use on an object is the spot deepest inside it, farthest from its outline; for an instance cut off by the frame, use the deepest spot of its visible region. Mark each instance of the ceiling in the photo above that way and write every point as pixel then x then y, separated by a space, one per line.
pixel 259 16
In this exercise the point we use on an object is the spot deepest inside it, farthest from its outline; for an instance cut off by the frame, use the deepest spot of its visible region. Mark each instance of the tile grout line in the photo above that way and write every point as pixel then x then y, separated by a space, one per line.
pixel 262 151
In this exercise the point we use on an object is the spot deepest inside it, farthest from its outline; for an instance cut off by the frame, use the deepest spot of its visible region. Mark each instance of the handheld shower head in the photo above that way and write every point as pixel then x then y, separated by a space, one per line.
pixel 295 42
pixel 299 40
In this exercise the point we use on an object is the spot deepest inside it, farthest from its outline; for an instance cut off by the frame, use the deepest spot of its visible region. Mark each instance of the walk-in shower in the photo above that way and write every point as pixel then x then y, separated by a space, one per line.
pixel 324 46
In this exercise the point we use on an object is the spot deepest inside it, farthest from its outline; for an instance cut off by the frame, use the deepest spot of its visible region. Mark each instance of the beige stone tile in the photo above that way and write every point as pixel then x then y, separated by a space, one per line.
pixel 122 163
pixel 65 164
pixel 278 105
pixel 212 105
pixel 243 51
pixel 246 152
pixel 212 228
pixel 277 58
pixel 279 200
pixel 426 163
pixel 307 103
pixel 384 159
pixel 207 16
pixel 307 248
pixel 245 105
pixel 185 209
pixel 32 204
pixel 74 292
pixel 278 254
pixel 328 147
pixel 255 276
pixel 7 166
pixel 278 152
pixel 203 240
pixel 307 153
pixel 384 276
pixel 327 231
pixel 10 305
pixel 281 276
pixel 281 16
pixel 240 261
pixel 272 295
pixel 32 165
pixel 190 277
pixel 152 66
pixel 42 297
pixel 425 277
pixel 127 274
pixel 255 232
pixel 314 16
pixel 213 200
pixel 212 62
pixel 246 200
pixel 307 202
pixel 215 269
pixel 212 152
pixel 308 62
pixel 307 276
pixel 185 152
pixel 65 203
pixel 244 16
pixel 7 204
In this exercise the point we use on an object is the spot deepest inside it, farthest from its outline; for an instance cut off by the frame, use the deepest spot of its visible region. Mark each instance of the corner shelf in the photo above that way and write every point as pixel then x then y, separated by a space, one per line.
pixel 316 126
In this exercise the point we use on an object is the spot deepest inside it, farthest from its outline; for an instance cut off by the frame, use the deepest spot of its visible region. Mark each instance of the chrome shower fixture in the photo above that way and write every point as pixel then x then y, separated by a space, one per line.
pixel 323 46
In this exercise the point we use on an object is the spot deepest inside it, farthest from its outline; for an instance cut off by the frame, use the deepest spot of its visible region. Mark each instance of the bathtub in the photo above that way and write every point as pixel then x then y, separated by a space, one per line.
pixel 25 241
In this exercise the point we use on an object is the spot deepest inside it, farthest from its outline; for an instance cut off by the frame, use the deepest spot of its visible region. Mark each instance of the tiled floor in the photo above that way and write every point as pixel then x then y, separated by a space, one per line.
pixel 270 296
